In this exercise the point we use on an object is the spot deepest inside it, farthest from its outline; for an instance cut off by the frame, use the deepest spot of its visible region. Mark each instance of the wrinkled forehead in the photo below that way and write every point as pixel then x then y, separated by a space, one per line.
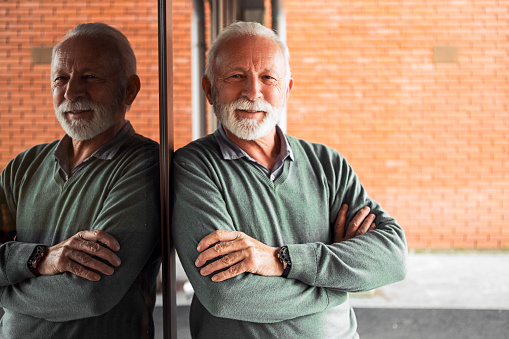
pixel 81 52
pixel 250 52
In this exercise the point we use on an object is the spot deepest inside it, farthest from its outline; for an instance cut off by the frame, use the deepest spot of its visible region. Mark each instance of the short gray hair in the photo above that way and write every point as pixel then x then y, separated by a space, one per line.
pixel 99 29
pixel 242 28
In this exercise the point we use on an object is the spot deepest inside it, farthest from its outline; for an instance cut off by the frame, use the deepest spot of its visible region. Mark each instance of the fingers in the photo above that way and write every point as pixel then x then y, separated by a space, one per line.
pixel 87 267
pixel 221 247
pixel 339 226
pixel 367 225
pixel 362 222
pixel 217 236
pixel 233 263
pixel 234 253
pixel 231 272
pixel 83 255
pixel 84 242
pixel 81 264
pixel 102 237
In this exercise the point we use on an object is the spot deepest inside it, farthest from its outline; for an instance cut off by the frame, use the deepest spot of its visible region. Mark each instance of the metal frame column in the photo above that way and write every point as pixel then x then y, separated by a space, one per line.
pixel 165 39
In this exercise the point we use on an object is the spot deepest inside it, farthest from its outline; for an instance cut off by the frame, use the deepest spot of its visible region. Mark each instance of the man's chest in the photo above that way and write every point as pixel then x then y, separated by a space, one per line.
pixel 294 210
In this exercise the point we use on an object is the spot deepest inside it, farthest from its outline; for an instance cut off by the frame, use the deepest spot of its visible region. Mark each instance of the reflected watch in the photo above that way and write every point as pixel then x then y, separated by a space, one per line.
pixel 35 258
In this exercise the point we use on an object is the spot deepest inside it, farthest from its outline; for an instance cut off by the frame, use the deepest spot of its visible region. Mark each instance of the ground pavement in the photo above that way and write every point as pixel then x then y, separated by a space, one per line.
pixel 446 295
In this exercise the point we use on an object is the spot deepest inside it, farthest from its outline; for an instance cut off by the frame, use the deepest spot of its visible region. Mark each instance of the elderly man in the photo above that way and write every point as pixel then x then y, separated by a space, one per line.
pixel 259 216
pixel 79 253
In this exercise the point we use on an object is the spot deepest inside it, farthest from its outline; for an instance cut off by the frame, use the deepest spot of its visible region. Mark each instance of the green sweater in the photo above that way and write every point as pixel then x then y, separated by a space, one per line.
pixel 119 196
pixel 299 210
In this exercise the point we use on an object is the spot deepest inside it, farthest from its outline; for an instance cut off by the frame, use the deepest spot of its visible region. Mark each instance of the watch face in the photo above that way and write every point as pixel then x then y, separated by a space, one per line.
pixel 36 256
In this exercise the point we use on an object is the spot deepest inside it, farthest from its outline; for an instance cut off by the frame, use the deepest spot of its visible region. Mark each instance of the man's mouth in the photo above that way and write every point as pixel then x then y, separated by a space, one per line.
pixel 250 111
pixel 79 111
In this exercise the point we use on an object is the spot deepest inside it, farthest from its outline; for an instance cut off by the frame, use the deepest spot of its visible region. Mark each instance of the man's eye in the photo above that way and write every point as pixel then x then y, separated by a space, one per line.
pixel 234 78
pixel 59 80
pixel 269 79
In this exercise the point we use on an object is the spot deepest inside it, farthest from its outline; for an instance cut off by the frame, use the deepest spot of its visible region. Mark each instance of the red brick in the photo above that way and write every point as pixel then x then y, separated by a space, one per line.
pixel 428 140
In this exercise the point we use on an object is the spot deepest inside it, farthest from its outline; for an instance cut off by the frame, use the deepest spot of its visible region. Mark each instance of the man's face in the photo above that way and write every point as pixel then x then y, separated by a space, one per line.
pixel 85 80
pixel 250 90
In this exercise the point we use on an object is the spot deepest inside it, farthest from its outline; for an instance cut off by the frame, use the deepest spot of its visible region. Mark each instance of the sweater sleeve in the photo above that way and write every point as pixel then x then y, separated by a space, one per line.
pixel 198 208
pixel 362 263
pixel 13 255
pixel 130 213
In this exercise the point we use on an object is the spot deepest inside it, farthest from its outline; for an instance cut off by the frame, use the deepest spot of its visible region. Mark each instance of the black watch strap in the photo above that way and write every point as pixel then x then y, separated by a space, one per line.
pixel 284 257
pixel 35 258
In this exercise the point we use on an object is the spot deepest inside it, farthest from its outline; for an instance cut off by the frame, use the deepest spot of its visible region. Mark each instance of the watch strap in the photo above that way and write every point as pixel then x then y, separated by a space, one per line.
pixel 284 257
pixel 35 258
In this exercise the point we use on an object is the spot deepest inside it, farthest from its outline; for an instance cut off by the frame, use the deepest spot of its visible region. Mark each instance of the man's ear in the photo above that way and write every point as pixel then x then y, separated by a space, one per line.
pixel 132 90
pixel 207 88
pixel 289 88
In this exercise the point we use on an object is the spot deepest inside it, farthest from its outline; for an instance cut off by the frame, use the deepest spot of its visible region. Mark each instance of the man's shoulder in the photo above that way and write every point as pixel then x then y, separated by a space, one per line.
pixel 206 146
pixel 42 147
pixel 320 158
pixel 40 150
pixel 312 149
pixel 31 158
pixel 138 140
pixel 140 146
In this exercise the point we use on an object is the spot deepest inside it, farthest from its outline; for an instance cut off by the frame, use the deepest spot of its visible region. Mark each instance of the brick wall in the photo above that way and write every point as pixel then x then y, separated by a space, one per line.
pixel 430 140
pixel 26 111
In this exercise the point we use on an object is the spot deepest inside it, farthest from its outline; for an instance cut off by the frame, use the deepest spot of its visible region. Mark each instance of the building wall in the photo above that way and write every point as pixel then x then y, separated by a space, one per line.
pixel 26 111
pixel 429 139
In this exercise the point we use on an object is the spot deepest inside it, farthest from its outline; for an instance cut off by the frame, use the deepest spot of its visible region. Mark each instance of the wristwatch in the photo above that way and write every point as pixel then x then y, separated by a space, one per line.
pixel 284 257
pixel 35 258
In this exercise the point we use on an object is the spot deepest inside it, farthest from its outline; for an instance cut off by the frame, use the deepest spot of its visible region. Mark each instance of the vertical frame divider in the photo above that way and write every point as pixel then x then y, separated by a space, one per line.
pixel 165 48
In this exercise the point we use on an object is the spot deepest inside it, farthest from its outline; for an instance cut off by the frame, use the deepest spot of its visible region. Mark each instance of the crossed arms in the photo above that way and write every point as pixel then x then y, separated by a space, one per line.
pixel 208 209
pixel 81 254
pixel 239 253
pixel 83 268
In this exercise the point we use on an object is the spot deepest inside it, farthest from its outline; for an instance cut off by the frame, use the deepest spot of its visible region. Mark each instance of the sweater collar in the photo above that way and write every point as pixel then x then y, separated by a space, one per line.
pixel 105 152
pixel 231 151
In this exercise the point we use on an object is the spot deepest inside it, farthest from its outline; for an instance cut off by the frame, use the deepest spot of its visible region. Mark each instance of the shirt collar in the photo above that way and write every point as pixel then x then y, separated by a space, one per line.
pixel 105 152
pixel 232 151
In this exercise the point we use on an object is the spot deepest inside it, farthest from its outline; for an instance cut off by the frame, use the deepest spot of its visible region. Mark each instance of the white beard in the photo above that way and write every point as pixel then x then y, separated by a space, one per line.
pixel 86 129
pixel 246 128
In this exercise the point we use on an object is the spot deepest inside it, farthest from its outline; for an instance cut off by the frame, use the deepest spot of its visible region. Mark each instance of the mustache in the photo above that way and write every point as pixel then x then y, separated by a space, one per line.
pixel 246 105
pixel 76 106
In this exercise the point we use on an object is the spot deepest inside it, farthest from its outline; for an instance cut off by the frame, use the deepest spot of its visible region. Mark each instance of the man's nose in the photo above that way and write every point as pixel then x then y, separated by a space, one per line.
pixel 75 89
pixel 252 89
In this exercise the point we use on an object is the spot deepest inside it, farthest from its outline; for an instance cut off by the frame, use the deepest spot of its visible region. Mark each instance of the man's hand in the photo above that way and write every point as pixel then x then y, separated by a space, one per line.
pixel 362 222
pixel 240 252
pixel 76 255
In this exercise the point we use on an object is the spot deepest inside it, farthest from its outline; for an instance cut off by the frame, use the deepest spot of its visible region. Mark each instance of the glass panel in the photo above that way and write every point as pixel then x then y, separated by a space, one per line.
pixel 28 32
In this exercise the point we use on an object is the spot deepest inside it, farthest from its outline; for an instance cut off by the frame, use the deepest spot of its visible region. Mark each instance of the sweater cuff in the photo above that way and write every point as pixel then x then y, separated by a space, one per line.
pixel 16 264
pixel 304 263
